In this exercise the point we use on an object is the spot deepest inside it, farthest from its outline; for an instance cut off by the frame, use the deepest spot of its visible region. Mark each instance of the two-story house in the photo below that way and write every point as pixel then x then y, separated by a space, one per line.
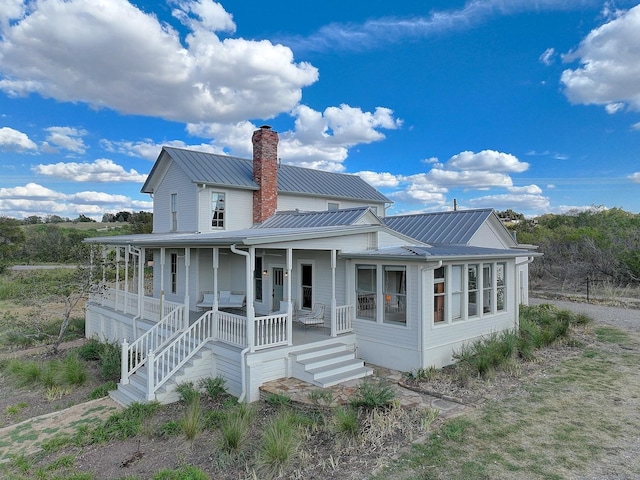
pixel 263 270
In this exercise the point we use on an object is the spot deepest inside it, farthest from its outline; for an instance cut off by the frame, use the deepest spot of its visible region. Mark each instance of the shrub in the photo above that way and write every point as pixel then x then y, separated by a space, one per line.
pixel 193 421
pixel 188 392
pixel 279 444
pixel 373 395
pixel 103 390
pixel 234 427
pixel 110 358
pixel 321 396
pixel 277 399
pixel 213 386
pixel 25 372
pixel 74 371
pixel 346 422
pixel 91 350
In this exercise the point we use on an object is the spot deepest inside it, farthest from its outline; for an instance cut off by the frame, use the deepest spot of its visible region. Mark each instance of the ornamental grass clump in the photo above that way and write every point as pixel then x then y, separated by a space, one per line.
pixel 371 395
pixel 279 445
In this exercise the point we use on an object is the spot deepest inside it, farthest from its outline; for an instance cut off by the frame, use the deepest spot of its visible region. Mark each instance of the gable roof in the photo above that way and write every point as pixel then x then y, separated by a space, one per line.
pixel 455 227
pixel 227 171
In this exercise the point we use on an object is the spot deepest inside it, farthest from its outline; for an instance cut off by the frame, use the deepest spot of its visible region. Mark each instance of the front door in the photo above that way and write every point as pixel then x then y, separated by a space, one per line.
pixel 278 287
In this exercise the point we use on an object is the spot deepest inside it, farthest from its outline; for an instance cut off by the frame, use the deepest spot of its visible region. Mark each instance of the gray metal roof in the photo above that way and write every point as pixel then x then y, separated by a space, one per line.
pixel 347 216
pixel 438 252
pixel 453 227
pixel 223 170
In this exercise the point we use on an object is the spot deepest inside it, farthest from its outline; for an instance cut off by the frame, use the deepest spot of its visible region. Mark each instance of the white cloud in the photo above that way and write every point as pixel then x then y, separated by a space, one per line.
pixel 612 108
pixel 111 54
pixel 527 190
pixel 35 199
pixel 469 178
pixel 610 64
pixel 14 140
pixel 488 160
pixel 67 138
pixel 548 56
pixel 319 139
pixel 635 126
pixel 150 150
pixel 635 177
pixel 526 203
pixel 101 170
pixel 383 179
pixel 374 32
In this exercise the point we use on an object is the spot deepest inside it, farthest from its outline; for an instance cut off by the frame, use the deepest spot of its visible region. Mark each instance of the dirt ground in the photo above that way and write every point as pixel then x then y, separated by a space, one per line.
pixel 323 454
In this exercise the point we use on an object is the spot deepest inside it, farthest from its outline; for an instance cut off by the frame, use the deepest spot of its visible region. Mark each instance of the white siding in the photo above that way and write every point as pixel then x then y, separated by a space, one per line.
pixel 315 204
pixel 238 209
pixel 174 182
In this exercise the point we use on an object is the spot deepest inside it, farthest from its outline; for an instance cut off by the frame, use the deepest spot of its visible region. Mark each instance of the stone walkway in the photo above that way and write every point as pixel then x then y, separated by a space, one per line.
pixel 299 390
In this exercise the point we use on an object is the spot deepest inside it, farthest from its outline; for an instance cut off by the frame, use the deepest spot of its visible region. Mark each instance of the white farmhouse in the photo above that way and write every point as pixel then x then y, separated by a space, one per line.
pixel 261 271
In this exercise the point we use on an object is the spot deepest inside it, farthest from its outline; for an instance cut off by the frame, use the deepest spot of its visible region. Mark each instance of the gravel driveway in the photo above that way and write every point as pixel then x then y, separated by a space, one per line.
pixel 624 318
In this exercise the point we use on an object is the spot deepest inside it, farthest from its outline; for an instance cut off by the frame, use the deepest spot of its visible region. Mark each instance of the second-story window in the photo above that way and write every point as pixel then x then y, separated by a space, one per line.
pixel 174 212
pixel 217 209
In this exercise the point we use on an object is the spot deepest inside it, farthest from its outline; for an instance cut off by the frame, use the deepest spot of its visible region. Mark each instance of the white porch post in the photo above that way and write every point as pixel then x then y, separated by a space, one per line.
pixel 333 293
pixel 124 363
pixel 126 273
pixel 163 253
pixel 216 264
pixel 117 276
pixel 289 263
pixel 141 254
pixel 251 314
pixel 187 264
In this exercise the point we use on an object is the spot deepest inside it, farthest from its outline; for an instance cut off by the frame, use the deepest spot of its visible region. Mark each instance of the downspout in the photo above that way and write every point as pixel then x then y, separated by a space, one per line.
pixel 250 317
pixel 421 329
pixel 516 320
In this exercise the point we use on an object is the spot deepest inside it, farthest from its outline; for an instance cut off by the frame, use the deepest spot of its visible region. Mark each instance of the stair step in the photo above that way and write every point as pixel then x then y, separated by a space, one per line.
pixel 319 351
pixel 311 363
pixel 335 368
pixel 344 377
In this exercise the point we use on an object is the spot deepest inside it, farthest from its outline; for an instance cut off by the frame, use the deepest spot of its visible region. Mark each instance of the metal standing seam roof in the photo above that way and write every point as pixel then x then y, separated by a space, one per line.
pixel 437 252
pixel 453 227
pixel 224 170
pixel 347 216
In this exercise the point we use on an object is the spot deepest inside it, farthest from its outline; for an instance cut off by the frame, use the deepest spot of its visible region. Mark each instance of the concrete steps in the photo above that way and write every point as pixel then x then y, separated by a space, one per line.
pixel 328 365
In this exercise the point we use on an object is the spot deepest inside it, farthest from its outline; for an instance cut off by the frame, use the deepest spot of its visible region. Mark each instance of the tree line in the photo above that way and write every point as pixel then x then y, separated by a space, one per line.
pixel 593 245
pixel 47 240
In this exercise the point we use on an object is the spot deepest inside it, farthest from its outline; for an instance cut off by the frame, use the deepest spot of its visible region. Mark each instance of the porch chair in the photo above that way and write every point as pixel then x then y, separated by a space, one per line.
pixel 313 317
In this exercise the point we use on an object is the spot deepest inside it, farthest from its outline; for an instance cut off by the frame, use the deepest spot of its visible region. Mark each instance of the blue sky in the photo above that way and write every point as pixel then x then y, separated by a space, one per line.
pixel 532 105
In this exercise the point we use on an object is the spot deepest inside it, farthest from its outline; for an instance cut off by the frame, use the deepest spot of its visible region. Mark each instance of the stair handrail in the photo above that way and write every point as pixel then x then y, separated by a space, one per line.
pixel 134 355
pixel 163 363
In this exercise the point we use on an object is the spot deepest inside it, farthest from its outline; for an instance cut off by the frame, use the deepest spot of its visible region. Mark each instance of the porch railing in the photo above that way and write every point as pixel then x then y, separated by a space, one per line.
pixel 135 355
pixel 344 316
pixel 271 331
pixel 153 309
pixel 231 329
pixel 163 364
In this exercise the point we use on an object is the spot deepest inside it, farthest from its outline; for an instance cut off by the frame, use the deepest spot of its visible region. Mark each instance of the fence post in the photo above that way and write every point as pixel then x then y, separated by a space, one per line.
pixel 124 363
pixel 150 376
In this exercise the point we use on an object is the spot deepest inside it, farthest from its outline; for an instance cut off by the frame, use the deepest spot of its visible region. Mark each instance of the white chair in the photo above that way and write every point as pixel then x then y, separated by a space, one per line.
pixel 207 301
pixel 313 317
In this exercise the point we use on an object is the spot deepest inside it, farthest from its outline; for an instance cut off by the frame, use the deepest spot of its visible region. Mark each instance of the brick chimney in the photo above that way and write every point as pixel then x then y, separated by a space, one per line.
pixel 265 173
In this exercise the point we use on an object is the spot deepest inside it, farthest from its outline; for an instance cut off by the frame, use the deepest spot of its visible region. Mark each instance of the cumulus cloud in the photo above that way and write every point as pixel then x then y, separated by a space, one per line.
pixel 609 69
pixel 67 138
pixel 149 150
pixel 515 202
pixel 527 190
pixel 114 55
pixel 635 177
pixel 35 199
pixel 383 179
pixel 15 141
pixel 487 160
pixel 318 140
pixel 101 170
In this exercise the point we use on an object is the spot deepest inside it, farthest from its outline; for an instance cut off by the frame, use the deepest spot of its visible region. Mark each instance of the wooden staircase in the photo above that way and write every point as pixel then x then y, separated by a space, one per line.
pixel 196 368
pixel 328 365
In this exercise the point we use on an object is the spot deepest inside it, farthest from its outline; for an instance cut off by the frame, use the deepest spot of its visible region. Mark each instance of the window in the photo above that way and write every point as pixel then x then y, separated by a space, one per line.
pixel 333 206
pixel 487 288
pixel 366 287
pixel 395 294
pixel 439 294
pixel 174 273
pixel 174 212
pixel 483 286
pixel 472 290
pixel 307 285
pixel 257 279
pixel 217 209
pixel 500 285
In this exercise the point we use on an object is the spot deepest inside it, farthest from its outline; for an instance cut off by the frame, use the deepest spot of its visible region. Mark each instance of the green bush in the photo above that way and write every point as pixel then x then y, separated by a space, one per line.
pixel 188 392
pixel 346 422
pixel 186 472
pixel 373 395
pixel 234 427
pixel 279 444
pixel 74 371
pixel 91 350
pixel 110 359
pixel 103 390
pixel 193 421
pixel 213 386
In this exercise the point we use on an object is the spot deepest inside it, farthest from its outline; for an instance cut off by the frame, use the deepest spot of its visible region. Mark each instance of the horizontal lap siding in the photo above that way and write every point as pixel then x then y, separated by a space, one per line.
pixel 394 346
pixel 175 182
pixel 444 340
pixel 238 209
pixel 316 204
